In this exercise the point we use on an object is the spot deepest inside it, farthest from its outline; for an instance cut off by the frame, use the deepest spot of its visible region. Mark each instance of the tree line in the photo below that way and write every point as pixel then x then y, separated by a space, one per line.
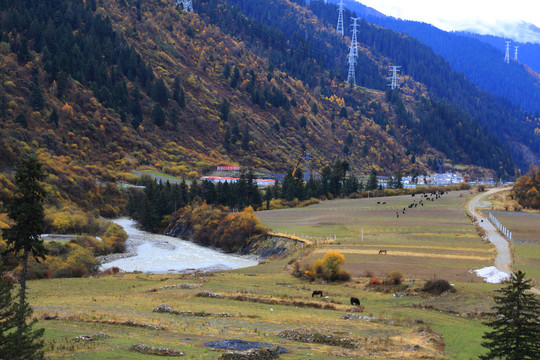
pixel 152 205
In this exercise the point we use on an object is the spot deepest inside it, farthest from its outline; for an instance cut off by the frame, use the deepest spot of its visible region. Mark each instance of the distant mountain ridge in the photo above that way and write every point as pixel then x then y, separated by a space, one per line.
pixel 481 61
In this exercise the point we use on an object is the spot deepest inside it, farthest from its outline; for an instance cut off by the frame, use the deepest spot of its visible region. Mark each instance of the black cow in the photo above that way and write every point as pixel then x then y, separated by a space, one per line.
pixel 355 301
pixel 317 292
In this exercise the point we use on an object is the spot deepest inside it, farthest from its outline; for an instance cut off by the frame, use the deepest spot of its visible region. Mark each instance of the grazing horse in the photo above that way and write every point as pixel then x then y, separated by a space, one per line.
pixel 317 292
pixel 355 301
pixel 382 251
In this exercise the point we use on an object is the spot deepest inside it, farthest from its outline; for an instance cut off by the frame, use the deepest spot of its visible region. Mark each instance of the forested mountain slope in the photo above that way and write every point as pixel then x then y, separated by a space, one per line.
pixel 480 58
pixel 101 88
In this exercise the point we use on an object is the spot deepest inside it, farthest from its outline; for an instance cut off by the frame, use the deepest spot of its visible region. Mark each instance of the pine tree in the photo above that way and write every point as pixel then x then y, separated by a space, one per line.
pixel 23 237
pixel 372 181
pixel 158 115
pixel 516 324
pixel 15 345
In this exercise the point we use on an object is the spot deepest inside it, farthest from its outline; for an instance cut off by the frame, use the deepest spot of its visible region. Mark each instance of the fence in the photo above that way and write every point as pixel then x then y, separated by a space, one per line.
pixel 500 227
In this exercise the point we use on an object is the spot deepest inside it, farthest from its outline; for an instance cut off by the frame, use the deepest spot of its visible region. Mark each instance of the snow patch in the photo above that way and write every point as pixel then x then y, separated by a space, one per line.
pixel 492 275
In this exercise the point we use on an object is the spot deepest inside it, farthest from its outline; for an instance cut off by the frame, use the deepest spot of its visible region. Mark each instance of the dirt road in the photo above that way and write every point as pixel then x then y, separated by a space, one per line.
pixel 503 260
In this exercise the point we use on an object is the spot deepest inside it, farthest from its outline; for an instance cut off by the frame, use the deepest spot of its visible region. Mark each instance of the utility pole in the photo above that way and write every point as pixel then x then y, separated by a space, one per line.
pixel 394 78
pixel 507 54
pixel 339 28
pixel 351 77
pixel 515 52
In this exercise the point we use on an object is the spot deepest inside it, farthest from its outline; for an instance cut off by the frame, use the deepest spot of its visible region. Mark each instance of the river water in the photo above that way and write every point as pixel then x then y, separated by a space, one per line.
pixel 153 253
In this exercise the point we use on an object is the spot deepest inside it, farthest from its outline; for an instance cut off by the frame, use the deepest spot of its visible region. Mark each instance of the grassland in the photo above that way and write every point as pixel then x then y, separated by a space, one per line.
pixel 260 302
pixel 427 241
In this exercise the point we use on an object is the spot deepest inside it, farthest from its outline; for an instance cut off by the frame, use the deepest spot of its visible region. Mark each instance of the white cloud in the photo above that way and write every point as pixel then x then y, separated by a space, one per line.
pixel 460 14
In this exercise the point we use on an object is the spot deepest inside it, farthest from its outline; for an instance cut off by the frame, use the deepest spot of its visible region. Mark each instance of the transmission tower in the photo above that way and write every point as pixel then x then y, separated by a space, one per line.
pixel 507 54
pixel 351 78
pixel 515 52
pixel 339 28
pixel 354 41
pixel 394 78
pixel 186 4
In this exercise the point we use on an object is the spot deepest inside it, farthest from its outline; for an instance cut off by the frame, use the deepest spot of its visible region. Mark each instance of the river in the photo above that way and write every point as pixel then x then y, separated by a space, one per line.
pixel 159 254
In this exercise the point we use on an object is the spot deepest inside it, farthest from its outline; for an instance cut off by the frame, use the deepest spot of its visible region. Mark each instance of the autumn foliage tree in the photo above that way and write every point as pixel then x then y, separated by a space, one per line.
pixel 328 268
pixel 527 189
pixel 217 226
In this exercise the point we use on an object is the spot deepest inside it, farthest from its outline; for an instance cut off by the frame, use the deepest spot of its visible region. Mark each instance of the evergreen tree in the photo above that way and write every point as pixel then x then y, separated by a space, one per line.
pixel 23 237
pixel 372 181
pixel 15 345
pixel 516 324
pixel 53 117
pixel 178 93
pixel 160 93
pixel 246 138
pixel 224 108
pixel 21 120
pixel 37 100
pixel 158 115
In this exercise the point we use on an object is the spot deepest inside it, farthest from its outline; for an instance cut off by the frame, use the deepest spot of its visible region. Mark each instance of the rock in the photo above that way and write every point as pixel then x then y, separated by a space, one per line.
pixel 253 354
pixel 143 349
pixel 164 308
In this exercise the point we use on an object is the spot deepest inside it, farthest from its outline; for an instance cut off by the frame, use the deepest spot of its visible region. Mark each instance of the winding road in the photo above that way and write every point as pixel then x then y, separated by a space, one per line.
pixel 503 260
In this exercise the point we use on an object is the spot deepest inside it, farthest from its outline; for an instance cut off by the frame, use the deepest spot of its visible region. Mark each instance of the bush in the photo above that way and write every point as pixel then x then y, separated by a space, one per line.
pixel 327 268
pixel 437 287
pixel 394 277
pixel 369 274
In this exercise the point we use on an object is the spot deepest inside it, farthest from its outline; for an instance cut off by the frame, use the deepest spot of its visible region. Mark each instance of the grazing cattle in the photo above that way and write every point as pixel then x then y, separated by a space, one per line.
pixel 384 203
pixel 355 301
pixel 382 251
pixel 378 202
pixel 317 292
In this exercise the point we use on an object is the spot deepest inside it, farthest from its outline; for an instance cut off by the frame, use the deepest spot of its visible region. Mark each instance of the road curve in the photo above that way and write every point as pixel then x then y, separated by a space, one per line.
pixel 503 260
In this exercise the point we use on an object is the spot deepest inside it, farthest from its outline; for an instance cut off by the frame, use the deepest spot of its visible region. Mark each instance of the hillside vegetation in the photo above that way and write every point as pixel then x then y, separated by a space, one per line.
pixel 99 89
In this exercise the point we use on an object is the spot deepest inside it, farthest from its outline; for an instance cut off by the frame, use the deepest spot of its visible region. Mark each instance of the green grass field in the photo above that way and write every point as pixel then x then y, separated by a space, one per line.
pixel 436 240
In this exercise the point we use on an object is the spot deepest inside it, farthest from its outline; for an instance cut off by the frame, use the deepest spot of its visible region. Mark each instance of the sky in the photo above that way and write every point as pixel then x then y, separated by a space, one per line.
pixel 493 17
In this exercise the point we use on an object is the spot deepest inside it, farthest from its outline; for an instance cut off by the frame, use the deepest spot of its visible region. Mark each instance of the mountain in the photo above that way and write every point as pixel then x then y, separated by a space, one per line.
pixel 101 88
pixel 480 61
pixel 528 53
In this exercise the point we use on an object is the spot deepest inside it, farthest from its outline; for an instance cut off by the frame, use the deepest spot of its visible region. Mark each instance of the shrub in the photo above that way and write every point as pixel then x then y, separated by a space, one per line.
pixel 327 268
pixel 395 277
pixel 369 274
pixel 437 287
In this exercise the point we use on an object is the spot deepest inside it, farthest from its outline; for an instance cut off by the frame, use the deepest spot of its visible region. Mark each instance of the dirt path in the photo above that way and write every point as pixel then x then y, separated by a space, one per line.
pixel 503 260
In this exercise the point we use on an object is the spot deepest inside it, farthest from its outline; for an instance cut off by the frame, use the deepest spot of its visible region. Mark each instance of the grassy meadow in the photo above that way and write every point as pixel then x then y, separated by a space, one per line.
pixel 257 304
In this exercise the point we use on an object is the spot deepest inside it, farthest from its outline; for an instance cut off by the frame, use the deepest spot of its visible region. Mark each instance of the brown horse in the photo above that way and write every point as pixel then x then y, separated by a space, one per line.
pixel 382 251
pixel 317 292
